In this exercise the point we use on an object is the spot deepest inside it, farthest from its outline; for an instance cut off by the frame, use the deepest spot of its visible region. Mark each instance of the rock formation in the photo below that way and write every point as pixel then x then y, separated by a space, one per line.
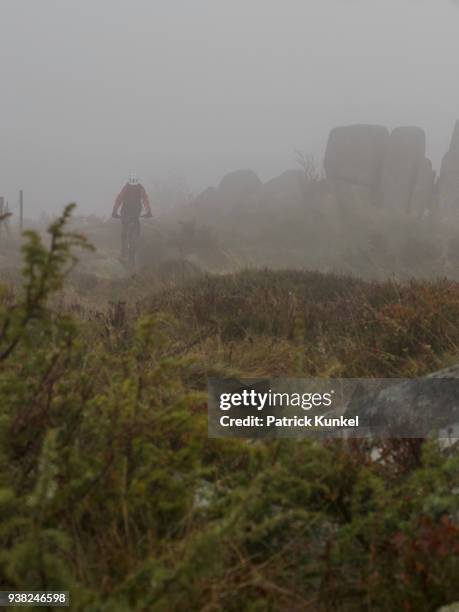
pixel 239 184
pixel 364 163
pixel 449 176
pixel 239 189
pixel 405 155
pixel 413 408
pixel 288 184
pixel 354 160
pixel 423 192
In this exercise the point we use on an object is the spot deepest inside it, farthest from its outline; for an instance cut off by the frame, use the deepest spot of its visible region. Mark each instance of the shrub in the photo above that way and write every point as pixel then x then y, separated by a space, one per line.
pixel 111 489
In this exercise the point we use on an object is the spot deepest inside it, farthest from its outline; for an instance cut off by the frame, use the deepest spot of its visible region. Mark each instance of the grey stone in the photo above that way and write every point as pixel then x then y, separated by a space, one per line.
pixel 239 184
pixel 207 200
pixel 449 176
pixel 355 155
pixel 405 154
pixel 412 408
pixel 347 193
pixel 423 192
pixel 454 607
pixel 208 195
pixel 288 184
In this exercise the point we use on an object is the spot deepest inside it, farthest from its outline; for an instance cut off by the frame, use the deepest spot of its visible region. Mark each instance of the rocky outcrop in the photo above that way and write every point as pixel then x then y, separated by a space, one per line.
pixel 286 185
pixel 207 196
pixel 449 176
pixel 413 408
pixel 366 164
pixel 450 608
pixel 405 155
pixel 423 192
pixel 237 190
pixel 239 184
pixel 354 160
pixel 355 154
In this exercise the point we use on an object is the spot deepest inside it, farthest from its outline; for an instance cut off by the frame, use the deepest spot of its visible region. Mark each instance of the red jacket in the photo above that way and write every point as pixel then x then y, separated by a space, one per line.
pixel 131 199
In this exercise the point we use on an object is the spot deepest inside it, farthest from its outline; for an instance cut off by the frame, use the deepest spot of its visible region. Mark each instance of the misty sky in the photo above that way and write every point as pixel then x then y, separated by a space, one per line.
pixel 92 89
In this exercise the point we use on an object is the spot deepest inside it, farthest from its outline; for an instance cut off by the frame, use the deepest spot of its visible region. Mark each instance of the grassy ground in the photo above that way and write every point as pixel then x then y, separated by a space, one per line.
pixel 264 323
pixel 111 489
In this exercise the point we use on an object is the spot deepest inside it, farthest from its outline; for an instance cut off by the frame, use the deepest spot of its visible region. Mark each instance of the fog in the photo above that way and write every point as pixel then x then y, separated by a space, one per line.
pixel 91 90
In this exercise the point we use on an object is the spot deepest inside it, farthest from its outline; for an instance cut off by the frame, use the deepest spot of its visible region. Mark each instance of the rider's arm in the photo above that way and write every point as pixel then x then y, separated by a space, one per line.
pixel 118 202
pixel 146 202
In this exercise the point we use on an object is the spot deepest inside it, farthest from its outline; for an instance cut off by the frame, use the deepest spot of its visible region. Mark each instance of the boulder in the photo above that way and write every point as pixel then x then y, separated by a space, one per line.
pixel 453 251
pixel 449 176
pixel 352 194
pixel 412 408
pixel 239 184
pixel 405 155
pixel 355 156
pixel 286 185
pixel 423 192
pixel 208 196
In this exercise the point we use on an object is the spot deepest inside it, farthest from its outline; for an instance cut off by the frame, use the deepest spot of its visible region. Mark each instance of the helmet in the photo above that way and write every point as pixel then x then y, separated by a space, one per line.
pixel 132 179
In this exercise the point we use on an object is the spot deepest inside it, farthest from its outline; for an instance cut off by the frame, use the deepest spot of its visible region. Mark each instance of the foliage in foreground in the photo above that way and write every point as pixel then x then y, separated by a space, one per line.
pixel 110 488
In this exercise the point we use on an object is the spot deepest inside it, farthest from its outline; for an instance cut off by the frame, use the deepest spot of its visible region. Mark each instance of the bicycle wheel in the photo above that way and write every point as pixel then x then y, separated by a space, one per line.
pixel 132 243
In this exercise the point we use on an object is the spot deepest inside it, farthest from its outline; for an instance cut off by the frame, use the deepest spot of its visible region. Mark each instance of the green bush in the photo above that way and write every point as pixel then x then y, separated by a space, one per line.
pixel 111 489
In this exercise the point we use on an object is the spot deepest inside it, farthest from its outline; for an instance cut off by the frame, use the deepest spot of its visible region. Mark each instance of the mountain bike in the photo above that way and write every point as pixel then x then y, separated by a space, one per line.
pixel 130 240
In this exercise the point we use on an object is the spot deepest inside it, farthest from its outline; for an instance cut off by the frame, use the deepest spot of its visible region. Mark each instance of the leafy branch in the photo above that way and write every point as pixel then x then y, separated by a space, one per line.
pixel 43 274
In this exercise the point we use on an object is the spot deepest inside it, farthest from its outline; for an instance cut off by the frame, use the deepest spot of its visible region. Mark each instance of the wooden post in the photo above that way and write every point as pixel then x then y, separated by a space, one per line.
pixel 21 211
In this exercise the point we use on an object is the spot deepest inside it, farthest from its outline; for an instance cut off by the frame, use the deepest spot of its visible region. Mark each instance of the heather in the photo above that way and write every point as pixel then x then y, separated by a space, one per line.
pixel 111 489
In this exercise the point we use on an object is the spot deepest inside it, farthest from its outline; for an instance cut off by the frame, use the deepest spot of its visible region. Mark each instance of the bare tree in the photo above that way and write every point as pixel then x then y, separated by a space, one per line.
pixel 311 176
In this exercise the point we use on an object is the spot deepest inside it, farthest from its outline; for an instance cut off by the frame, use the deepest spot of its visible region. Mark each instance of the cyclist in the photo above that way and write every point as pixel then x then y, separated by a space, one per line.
pixel 128 207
